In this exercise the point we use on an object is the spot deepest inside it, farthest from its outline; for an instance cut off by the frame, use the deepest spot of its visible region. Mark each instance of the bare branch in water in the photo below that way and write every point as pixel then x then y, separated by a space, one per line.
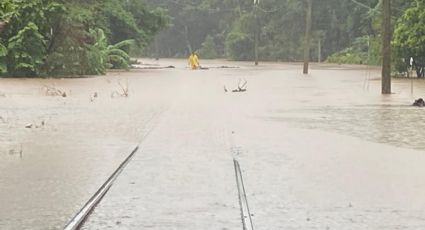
pixel 53 91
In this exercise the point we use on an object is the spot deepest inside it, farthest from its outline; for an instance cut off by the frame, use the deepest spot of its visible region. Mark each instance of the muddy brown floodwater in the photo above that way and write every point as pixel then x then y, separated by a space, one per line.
pixel 323 151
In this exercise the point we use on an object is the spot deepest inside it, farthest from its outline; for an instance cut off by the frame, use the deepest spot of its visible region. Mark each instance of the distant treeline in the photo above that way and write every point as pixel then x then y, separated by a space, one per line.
pixel 347 31
pixel 72 37
pixel 68 37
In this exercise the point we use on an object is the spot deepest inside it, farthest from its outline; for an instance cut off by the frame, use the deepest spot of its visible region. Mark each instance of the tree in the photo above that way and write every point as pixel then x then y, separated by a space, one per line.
pixel 351 29
pixel 409 38
pixel 208 49
pixel 279 34
pixel 58 37
pixel 386 47
pixel 256 31
pixel 3 53
pixel 240 42
pixel 27 35
pixel 307 37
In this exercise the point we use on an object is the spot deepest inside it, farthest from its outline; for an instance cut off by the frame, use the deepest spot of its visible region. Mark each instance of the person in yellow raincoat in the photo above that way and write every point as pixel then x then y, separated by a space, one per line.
pixel 194 61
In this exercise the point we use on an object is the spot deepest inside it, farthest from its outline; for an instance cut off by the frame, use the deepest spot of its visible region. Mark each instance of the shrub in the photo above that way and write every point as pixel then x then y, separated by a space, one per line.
pixel 208 50
pixel 239 47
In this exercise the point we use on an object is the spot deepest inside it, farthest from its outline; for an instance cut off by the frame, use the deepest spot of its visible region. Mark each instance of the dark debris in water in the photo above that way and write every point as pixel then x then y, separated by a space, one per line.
pixel 419 102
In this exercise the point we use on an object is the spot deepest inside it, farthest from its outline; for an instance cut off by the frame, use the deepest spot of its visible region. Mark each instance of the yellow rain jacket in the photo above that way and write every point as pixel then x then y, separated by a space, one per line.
pixel 194 61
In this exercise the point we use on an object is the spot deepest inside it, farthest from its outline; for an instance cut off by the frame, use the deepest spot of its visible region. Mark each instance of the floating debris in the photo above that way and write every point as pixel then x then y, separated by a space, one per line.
pixel 419 102
pixel 241 88
pixel 53 91
pixel 124 91
pixel 16 152
pixel 93 97
pixel 152 67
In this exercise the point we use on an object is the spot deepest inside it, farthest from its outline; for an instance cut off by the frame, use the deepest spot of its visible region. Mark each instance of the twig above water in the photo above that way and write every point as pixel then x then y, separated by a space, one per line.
pixel 53 91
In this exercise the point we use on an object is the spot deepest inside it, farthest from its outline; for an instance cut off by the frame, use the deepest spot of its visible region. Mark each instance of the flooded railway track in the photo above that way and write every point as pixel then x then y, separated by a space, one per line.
pixel 78 220
pixel 246 215
pixel 82 216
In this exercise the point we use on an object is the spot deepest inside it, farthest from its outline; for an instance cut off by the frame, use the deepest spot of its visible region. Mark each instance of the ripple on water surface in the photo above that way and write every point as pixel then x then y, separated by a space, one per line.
pixel 400 126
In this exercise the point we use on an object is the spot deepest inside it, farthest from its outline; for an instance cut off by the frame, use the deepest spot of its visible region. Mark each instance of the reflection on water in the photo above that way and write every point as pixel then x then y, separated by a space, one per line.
pixel 401 126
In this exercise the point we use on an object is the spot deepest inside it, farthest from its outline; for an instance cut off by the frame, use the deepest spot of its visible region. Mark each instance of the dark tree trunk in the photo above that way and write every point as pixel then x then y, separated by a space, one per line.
pixel 186 33
pixel 386 49
pixel 257 26
pixel 2 25
pixel 307 36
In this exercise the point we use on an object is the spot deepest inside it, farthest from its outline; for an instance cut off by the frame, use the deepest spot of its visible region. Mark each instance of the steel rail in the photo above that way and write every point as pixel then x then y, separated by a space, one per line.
pixel 78 220
pixel 242 197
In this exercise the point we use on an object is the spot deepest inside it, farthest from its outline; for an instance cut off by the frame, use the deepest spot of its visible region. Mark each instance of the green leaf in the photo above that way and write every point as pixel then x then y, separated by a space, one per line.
pixel 3 50
pixel 118 52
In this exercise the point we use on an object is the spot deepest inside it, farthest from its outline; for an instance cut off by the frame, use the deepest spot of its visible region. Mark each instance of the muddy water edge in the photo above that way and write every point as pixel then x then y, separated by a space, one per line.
pixel 56 151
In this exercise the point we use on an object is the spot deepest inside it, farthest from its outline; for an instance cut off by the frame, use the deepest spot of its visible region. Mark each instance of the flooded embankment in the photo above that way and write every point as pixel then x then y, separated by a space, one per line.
pixel 322 151
pixel 56 151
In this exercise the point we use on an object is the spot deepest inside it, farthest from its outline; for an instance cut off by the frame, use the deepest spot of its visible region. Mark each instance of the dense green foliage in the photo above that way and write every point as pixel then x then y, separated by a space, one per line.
pixel 364 50
pixel 208 49
pixel 58 37
pixel 348 31
pixel 279 25
pixel 409 38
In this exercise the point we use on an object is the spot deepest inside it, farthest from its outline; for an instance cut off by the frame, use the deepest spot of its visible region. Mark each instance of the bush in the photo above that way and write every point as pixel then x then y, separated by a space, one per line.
pixel 26 51
pixel 3 53
pixel 239 47
pixel 117 55
pixel 347 56
pixel 409 37
pixel 49 37
pixel 208 50
pixel 363 50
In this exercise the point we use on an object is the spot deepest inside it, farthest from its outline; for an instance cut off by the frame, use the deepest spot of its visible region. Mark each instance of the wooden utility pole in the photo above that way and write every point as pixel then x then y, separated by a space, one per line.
pixel 319 51
pixel 386 47
pixel 257 25
pixel 156 40
pixel 307 36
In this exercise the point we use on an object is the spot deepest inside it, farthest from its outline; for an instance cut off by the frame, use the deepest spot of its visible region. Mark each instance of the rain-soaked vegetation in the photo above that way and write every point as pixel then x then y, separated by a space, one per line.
pixel 57 37
pixel 343 31
pixel 159 142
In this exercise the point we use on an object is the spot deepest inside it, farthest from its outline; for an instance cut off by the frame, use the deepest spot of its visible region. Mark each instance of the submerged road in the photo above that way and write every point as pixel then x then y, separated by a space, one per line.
pixel 295 177
pixel 323 151
pixel 183 176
